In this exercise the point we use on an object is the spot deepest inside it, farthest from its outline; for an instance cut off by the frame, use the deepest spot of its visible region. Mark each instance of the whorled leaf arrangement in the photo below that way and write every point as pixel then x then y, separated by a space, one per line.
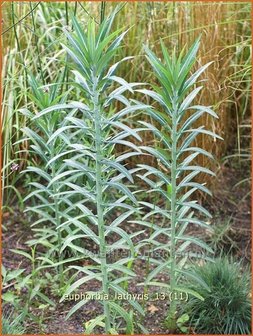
pixel 44 146
pixel 82 183
pixel 175 178
pixel 91 154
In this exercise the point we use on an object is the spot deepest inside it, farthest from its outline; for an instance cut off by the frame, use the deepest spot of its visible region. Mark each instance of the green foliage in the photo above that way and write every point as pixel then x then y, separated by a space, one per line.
pixel 11 324
pixel 227 305
pixel 175 154
pixel 88 175
pixel 11 279
pixel 17 307
pixel 33 283
pixel 19 45
pixel 178 324
pixel 80 180
pixel 39 34
pixel 222 238
pixel 46 144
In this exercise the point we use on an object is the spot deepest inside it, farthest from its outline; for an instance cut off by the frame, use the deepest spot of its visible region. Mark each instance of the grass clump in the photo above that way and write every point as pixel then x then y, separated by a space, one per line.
pixel 226 308
pixel 12 325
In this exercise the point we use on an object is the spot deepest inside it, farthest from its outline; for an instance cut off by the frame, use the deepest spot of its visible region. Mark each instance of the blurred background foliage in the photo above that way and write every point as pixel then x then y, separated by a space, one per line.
pixel 31 37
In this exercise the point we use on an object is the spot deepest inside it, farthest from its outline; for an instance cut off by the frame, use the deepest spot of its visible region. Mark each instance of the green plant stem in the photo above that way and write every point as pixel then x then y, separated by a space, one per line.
pixel 33 279
pixel 102 12
pixel 75 8
pixel 172 310
pixel 57 217
pixel 37 46
pixel 147 270
pixel 99 201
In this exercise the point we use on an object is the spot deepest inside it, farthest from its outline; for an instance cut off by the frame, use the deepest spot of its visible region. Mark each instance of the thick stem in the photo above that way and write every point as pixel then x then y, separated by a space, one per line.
pixel 99 200
pixel 173 210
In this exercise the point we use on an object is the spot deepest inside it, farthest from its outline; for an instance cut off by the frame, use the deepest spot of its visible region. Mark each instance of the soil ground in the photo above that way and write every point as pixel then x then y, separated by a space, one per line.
pixel 229 203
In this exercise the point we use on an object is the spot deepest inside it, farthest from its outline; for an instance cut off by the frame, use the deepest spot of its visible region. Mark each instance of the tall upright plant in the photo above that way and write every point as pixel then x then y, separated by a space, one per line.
pixel 175 154
pixel 45 143
pixel 106 185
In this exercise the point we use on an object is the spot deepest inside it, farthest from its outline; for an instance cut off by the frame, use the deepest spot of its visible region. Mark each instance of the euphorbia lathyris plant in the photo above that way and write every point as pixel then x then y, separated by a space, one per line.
pixel 44 146
pixel 99 129
pixel 175 178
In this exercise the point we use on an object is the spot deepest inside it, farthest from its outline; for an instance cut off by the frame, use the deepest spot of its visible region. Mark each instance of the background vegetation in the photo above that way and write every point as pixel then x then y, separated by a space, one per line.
pixel 226 39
